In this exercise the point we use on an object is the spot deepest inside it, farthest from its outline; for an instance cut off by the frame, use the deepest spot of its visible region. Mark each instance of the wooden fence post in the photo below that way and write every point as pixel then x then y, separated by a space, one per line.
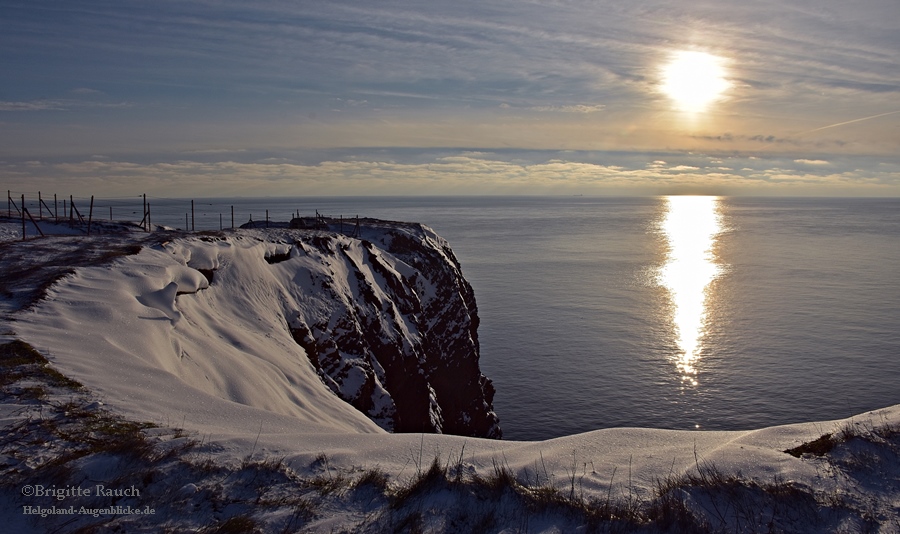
pixel 13 203
pixel 75 209
pixel 23 217
pixel 91 215
pixel 42 205
pixel 55 210
pixel 36 227
pixel 193 219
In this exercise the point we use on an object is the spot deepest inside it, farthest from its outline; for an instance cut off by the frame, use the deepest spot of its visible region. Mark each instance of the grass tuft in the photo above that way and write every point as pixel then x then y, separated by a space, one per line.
pixel 328 484
pixel 500 478
pixel 375 478
pixel 421 483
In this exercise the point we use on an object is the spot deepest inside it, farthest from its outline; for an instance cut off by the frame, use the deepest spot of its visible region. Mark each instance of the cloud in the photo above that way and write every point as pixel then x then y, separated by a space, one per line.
pixel 33 105
pixel 812 162
pixel 463 173
pixel 578 108
pixel 681 168
pixel 757 138
pixel 215 150
pixel 58 105
pixel 86 91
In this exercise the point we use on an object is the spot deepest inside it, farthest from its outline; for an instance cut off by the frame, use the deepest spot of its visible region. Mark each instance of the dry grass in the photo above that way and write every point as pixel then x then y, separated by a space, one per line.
pixel 865 431
pixel 19 360
pixel 375 478
pixel 498 498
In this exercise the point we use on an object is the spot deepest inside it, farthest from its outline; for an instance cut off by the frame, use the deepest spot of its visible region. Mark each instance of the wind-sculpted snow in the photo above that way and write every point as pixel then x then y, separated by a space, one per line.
pixel 296 323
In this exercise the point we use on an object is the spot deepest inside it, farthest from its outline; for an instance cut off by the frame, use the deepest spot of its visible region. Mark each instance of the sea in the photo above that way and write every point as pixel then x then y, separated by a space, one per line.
pixel 707 313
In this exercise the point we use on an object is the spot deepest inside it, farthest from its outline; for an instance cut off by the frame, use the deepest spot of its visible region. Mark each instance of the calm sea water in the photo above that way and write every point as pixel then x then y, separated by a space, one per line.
pixel 733 313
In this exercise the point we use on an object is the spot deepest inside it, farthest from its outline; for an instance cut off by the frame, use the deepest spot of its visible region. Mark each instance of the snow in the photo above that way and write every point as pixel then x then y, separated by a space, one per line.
pixel 209 356
pixel 152 339
pixel 11 228
pixel 12 231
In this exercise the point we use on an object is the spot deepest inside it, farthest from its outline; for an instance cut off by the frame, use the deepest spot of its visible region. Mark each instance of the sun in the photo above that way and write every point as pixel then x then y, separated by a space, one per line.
pixel 694 80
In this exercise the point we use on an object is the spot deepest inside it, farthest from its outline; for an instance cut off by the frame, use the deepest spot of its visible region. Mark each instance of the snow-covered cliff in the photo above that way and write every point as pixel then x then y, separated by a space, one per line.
pixel 391 326
pixel 384 319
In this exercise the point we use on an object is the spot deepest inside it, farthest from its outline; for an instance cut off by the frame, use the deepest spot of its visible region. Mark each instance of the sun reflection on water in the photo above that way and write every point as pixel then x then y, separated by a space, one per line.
pixel 691 226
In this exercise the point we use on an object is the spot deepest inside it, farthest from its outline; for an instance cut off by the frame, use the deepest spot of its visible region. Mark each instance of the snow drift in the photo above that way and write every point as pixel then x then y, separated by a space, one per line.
pixel 295 323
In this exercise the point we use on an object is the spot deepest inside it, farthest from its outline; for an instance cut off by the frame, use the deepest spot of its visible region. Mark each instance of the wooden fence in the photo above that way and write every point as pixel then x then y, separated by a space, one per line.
pixel 73 216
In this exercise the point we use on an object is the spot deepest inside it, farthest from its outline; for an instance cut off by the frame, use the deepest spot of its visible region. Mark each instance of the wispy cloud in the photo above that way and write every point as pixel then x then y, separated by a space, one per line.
pixel 58 105
pixel 33 105
pixel 86 91
pixel 466 173
pixel 577 108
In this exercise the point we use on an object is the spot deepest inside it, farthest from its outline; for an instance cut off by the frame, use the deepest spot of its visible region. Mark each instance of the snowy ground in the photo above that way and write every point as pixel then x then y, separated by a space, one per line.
pixel 11 229
pixel 196 396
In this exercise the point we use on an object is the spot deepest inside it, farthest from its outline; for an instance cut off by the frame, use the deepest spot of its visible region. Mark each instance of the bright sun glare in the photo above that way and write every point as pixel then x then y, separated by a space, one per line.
pixel 694 80
pixel 691 226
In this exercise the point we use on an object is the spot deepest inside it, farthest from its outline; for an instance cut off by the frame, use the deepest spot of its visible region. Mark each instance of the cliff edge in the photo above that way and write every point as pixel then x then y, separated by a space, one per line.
pixel 283 320
pixel 391 326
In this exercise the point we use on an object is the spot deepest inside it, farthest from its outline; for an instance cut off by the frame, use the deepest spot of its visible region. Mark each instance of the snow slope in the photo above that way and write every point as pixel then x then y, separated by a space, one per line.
pixel 222 323
pixel 156 341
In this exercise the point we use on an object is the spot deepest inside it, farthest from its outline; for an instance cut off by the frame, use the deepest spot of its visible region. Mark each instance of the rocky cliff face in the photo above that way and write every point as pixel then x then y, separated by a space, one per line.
pixel 391 326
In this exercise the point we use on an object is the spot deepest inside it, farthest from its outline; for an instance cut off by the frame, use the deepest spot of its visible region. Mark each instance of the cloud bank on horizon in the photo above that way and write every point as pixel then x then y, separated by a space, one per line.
pixel 221 97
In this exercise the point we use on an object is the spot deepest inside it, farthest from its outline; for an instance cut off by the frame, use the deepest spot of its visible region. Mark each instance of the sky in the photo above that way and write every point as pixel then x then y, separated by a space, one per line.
pixel 275 97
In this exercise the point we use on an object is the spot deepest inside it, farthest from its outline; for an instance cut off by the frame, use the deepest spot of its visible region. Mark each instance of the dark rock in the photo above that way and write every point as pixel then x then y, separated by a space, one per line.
pixel 396 335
